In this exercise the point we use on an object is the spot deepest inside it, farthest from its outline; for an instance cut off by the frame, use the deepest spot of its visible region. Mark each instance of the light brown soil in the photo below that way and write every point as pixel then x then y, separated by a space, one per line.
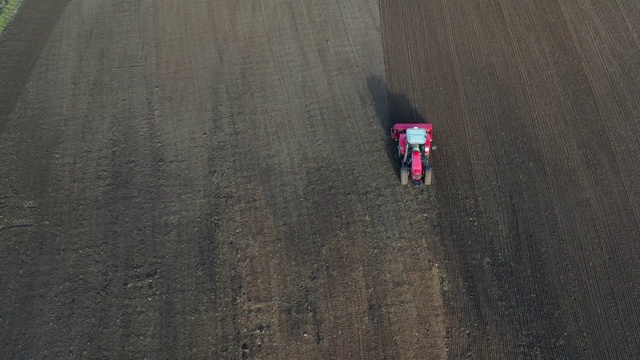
pixel 190 179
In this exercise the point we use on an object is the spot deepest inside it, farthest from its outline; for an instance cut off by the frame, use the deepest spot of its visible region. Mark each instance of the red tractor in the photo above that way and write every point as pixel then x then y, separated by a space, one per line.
pixel 414 148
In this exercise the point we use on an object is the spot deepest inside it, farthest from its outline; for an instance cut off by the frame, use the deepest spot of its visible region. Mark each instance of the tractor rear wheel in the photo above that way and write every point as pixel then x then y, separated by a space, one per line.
pixel 427 177
pixel 404 176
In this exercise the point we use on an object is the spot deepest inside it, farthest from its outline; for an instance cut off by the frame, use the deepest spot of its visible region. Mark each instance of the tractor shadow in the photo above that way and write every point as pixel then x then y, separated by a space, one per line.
pixel 391 108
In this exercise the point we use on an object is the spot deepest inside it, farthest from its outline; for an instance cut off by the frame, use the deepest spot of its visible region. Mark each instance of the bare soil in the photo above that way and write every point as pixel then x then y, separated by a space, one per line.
pixel 214 180
pixel 189 179
pixel 535 108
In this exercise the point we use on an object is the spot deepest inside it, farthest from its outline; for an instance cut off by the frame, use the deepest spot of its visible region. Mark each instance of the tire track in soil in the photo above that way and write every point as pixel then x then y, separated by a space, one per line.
pixel 20 46
pixel 115 109
pixel 29 147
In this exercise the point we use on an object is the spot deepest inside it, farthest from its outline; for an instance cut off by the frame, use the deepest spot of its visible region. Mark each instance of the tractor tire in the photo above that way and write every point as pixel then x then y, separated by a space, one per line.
pixel 404 176
pixel 427 176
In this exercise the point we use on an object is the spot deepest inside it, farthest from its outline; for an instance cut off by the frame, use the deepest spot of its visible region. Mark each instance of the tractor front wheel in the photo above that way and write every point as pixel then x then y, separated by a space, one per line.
pixel 404 176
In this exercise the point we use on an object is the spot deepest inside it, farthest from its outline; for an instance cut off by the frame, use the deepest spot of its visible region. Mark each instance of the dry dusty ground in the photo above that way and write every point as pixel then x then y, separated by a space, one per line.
pixel 207 179
pixel 536 110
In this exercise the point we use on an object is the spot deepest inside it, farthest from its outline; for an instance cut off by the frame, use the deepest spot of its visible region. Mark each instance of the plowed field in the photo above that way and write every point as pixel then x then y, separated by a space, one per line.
pixel 214 180
pixel 536 109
